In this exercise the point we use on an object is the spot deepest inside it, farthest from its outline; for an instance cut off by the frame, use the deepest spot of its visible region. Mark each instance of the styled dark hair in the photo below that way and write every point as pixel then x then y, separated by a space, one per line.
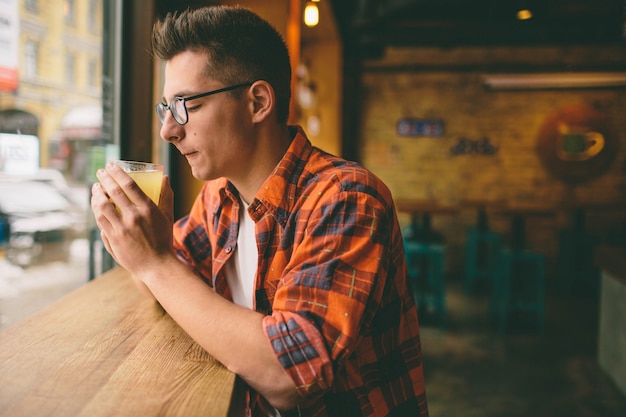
pixel 241 47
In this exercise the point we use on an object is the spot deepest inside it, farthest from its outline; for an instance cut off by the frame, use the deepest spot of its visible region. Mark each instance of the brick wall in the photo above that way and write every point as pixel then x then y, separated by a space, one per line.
pixel 447 84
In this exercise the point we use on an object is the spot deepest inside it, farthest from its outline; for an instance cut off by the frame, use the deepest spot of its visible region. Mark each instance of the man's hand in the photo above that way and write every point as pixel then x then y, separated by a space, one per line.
pixel 136 232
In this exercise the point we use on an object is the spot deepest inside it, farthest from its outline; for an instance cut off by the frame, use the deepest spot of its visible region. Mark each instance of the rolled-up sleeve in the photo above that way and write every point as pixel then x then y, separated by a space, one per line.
pixel 328 293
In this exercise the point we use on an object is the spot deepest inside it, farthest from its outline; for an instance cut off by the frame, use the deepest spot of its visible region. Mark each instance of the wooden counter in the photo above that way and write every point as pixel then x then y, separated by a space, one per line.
pixel 106 350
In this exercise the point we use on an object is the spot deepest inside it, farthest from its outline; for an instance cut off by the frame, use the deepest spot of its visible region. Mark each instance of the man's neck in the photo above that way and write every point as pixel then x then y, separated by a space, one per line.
pixel 270 150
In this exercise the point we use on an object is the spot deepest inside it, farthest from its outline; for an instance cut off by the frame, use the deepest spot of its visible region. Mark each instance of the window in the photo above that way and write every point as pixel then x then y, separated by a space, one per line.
pixel 61 133
pixel 32 6
pixel 51 131
pixel 69 11
pixel 31 59
pixel 70 68
pixel 92 73
pixel 93 15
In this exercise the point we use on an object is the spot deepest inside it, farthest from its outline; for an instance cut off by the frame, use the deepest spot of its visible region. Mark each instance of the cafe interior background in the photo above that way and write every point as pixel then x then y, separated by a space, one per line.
pixel 472 113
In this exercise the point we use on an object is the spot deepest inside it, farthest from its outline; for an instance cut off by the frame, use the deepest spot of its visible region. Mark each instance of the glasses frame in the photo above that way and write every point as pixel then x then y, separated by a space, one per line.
pixel 161 107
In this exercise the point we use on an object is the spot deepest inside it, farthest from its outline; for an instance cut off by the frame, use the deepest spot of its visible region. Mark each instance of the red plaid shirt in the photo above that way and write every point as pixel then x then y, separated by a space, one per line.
pixel 331 280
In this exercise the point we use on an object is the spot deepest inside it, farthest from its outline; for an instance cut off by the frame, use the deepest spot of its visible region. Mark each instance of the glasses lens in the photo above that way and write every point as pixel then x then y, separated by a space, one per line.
pixel 179 111
pixel 160 111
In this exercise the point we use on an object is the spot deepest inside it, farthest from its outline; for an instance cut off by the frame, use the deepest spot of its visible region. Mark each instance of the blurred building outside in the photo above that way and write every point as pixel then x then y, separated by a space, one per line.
pixel 52 84
pixel 51 80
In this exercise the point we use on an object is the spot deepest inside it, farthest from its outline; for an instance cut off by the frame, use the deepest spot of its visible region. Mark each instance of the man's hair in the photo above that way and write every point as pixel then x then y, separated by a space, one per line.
pixel 241 47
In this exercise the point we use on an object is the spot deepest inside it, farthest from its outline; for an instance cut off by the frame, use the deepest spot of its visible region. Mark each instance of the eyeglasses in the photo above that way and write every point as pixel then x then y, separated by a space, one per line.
pixel 179 109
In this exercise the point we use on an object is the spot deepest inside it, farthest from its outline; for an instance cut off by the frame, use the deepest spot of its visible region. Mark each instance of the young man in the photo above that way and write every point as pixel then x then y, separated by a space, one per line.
pixel 290 268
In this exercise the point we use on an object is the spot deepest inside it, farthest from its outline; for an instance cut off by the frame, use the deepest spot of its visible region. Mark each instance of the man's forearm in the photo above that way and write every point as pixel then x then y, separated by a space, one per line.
pixel 231 334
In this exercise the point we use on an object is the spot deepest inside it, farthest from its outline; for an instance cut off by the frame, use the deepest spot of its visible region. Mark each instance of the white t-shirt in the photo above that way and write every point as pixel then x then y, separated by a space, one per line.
pixel 241 268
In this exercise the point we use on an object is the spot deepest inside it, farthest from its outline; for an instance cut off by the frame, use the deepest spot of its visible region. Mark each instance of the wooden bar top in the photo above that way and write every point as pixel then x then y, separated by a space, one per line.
pixel 107 350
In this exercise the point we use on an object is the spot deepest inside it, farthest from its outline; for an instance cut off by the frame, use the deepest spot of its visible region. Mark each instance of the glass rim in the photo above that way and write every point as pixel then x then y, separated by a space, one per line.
pixel 131 166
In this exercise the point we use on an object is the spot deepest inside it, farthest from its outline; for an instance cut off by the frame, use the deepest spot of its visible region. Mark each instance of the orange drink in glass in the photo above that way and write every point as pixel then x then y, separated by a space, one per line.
pixel 147 175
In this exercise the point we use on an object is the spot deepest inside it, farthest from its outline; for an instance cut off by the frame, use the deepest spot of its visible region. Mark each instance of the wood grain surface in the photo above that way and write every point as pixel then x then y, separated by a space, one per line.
pixel 106 350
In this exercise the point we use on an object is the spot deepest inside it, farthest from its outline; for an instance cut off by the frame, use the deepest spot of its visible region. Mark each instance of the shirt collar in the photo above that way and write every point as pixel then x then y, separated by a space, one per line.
pixel 278 191
pixel 277 194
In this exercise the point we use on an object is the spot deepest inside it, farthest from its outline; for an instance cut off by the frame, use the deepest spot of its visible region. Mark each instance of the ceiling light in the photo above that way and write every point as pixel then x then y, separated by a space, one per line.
pixel 538 81
pixel 311 14
pixel 524 14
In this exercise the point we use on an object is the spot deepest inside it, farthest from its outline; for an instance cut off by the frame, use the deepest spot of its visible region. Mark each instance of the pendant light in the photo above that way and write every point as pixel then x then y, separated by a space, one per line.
pixel 311 13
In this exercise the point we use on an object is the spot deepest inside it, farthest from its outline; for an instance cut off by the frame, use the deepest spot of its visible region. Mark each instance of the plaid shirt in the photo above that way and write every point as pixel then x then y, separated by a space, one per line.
pixel 331 280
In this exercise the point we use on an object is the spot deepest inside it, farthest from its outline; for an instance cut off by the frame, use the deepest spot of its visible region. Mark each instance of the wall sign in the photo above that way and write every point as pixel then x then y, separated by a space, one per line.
pixel 466 146
pixel 19 154
pixel 420 127
pixel 576 143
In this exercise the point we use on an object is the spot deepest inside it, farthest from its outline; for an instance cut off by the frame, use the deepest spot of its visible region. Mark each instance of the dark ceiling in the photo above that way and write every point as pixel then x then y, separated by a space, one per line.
pixel 370 25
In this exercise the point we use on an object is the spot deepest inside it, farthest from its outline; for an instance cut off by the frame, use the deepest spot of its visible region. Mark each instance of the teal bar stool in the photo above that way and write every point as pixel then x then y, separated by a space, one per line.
pixel 482 250
pixel 426 267
pixel 518 286
pixel 577 271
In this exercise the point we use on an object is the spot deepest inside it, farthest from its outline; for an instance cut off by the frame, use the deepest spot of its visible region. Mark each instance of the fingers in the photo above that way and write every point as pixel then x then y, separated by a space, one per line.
pixel 122 189
pixel 107 245
pixel 131 225
pixel 102 207
pixel 104 212
pixel 166 200
pixel 112 188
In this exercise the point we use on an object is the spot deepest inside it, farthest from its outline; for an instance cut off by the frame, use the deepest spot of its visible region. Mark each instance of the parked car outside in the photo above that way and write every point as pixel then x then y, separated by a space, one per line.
pixel 78 194
pixel 42 221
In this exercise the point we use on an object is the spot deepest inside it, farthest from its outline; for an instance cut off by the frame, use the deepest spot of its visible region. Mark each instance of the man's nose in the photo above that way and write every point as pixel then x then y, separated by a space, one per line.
pixel 171 131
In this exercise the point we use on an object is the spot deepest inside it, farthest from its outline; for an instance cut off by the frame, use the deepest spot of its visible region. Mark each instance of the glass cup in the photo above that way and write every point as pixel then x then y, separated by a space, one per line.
pixel 147 175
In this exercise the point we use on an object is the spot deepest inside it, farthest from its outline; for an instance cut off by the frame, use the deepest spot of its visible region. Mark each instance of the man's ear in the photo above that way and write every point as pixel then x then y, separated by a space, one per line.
pixel 264 101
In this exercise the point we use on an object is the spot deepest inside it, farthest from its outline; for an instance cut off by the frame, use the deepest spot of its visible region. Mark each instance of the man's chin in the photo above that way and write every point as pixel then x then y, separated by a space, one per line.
pixel 201 175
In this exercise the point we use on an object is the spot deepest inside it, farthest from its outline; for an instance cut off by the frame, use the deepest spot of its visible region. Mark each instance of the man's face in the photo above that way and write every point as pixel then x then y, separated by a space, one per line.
pixel 215 138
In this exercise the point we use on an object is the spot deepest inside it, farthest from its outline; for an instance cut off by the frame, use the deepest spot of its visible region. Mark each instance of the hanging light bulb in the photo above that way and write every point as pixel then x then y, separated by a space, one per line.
pixel 311 14
pixel 524 14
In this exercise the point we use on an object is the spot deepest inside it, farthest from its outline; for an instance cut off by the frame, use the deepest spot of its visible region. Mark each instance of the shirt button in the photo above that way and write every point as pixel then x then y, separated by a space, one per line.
pixel 229 249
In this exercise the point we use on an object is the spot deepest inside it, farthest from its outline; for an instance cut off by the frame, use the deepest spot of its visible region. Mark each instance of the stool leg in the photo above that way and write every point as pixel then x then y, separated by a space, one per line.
pixel 482 252
pixel 520 268
pixel 541 294
pixel 425 264
pixel 496 284
pixel 470 265
pixel 504 292
pixel 413 275
pixel 440 288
